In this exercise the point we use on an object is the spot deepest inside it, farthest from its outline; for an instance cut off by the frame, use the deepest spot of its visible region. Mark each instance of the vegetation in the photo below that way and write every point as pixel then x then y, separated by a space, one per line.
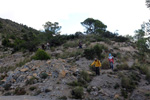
pixel 83 79
pixel 105 64
pixel 32 88
pixel 93 26
pixel 95 51
pixel 20 91
pixel 41 55
pixel 123 66
pixel 43 75
pixel 29 39
pixel 77 92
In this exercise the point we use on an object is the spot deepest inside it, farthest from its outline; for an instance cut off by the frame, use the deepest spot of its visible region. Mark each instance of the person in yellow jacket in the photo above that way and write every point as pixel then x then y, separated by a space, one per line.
pixel 97 64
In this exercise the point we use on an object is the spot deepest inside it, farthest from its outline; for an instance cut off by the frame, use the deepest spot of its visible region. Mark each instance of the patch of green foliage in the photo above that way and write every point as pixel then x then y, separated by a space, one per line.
pixel 77 92
pixel 95 51
pixel 43 75
pixel 41 55
pixel 32 88
pixel 123 66
pixel 83 79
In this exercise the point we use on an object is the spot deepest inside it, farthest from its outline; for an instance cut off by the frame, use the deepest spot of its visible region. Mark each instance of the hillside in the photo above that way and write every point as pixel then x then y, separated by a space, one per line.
pixel 68 74
pixel 10 27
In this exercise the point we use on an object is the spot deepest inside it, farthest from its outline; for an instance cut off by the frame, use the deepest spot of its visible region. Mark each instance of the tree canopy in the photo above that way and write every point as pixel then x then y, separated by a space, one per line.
pixel 52 28
pixel 93 26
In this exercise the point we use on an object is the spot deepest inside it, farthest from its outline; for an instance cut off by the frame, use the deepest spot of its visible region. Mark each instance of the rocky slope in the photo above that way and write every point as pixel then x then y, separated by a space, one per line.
pixel 49 78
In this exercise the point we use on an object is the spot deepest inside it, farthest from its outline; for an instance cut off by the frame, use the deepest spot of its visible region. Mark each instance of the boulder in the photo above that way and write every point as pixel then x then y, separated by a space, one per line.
pixel 24 69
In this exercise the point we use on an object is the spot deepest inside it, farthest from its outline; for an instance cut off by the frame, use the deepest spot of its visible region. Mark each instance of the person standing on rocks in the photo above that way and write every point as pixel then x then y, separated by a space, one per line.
pixel 111 60
pixel 80 45
pixel 97 64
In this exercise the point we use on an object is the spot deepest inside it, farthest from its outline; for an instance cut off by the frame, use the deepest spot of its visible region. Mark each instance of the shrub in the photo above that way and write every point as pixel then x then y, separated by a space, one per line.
pixel 105 64
pixel 32 88
pixel 6 42
pixel 124 93
pixel 41 55
pixel 83 79
pixel 128 84
pixel 37 92
pixel 85 76
pixel 144 69
pixel 74 83
pixel 63 98
pixel 70 44
pixel 7 86
pixel 89 53
pixel 116 86
pixel 31 81
pixel 77 92
pixel 20 91
pixel 44 75
pixel 123 66
pixel 94 52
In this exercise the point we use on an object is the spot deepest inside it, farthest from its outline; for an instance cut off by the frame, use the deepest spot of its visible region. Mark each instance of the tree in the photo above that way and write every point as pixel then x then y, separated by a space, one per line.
pixel 141 42
pixel 52 28
pixel 148 3
pixel 93 26
pixel 139 34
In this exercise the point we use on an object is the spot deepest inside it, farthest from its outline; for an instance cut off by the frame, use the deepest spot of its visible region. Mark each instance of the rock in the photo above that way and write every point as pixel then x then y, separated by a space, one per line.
pixel 50 88
pixel 55 74
pixel 24 69
pixel 48 62
pixel 95 93
pixel 29 77
pixel 116 96
pixel 90 73
pixel 63 73
pixel 35 75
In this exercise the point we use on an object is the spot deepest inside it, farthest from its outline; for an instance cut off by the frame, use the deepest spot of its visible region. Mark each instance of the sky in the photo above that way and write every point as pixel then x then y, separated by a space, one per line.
pixel 125 16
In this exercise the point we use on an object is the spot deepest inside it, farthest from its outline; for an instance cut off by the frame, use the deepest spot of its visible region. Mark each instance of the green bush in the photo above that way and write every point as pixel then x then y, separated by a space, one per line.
pixel 123 66
pixel 95 51
pixel 85 76
pixel 32 88
pixel 74 83
pixel 105 64
pixel 128 84
pixel 124 93
pixel 6 42
pixel 77 92
pixel 70 44
pixel 63 98
pixel 41 55
pixel 83 79
pixel 31 81
pixel 44 75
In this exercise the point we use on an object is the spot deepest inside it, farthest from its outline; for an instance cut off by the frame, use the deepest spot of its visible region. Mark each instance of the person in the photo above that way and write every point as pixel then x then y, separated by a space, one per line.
pixel 47 46
pixel 111 60
pixel 97 64
pixel 80 45
pixel 43 46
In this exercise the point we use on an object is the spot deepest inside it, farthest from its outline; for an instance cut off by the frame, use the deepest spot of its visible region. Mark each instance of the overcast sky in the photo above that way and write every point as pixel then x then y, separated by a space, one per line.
pixel 126 16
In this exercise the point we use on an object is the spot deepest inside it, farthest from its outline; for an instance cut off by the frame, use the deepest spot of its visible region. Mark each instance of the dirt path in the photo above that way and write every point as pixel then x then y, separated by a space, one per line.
pixel 21 98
